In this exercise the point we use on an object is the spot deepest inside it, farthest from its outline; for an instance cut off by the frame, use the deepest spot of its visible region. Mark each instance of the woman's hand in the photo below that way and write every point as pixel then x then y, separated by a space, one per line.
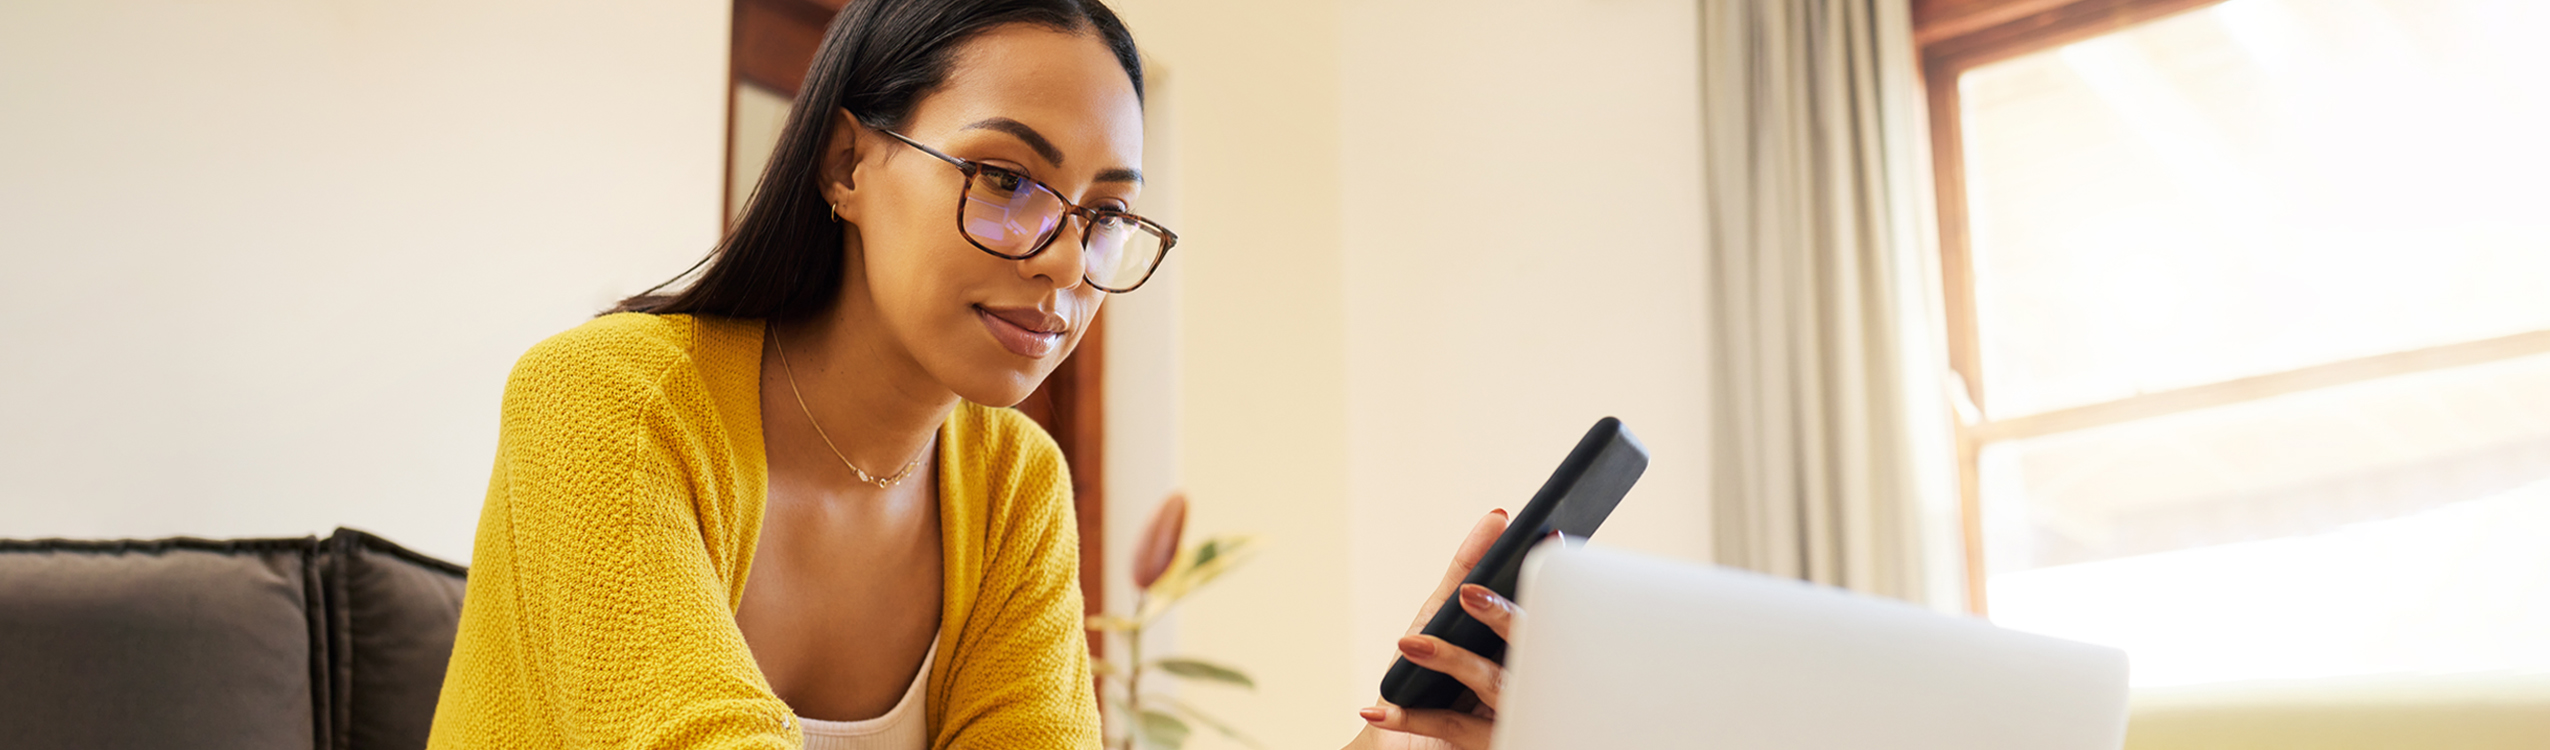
pixel 1393 728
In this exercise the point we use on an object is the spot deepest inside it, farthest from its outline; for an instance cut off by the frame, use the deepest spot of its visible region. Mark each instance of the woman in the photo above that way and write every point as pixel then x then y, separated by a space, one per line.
pixel 771 509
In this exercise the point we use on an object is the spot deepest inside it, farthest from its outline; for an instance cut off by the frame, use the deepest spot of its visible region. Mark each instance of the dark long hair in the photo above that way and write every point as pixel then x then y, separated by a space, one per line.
pixel 782 260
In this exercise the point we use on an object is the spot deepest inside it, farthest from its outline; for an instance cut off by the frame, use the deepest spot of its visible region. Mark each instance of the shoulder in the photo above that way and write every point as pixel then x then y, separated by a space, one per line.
pixel 1012 459
pixel 602 414
pixel 626 357
pixel 616 347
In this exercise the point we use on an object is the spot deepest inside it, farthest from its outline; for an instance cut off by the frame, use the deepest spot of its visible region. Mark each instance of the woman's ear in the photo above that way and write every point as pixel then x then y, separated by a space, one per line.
pixel 839 175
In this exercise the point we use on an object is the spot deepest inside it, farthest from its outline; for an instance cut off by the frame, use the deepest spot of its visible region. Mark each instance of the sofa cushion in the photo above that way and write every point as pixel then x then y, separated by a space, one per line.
pixel 167 643
pixel 394 614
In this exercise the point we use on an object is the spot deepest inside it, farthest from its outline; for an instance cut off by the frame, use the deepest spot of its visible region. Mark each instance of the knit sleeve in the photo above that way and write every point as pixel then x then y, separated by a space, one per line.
pixel 624 639
pixel 1028 686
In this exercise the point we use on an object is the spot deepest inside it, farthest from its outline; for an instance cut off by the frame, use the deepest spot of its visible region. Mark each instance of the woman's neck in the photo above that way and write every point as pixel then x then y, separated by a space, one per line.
pixel 866 393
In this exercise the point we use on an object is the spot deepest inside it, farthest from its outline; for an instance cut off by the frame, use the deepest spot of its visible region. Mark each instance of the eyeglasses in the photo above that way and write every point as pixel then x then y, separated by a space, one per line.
pixel 1012 216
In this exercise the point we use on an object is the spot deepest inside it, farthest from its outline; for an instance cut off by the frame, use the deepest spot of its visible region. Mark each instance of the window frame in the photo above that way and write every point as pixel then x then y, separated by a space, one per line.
pixel 1955 36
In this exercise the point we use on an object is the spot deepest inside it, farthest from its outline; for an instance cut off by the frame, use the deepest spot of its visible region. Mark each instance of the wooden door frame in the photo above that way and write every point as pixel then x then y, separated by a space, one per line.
pixel 773 42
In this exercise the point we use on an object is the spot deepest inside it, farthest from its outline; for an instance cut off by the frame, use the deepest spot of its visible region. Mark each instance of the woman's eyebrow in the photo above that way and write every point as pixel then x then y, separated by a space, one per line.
pixel 1035 140
pixel 1045 148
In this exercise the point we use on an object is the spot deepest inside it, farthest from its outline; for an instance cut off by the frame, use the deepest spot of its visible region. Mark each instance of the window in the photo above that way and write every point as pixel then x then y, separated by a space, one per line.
pixel 2253 299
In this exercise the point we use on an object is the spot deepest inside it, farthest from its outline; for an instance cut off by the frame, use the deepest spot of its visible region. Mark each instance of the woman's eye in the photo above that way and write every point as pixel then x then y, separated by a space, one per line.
pixel 1004 180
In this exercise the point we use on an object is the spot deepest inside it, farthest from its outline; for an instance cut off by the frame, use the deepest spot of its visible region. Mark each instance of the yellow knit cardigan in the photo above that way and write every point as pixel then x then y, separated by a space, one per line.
pixel 620 523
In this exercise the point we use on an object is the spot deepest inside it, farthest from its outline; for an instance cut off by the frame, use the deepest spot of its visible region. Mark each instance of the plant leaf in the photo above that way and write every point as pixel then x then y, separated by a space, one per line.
pixel 1199 669
pixel 1162 729
pixel 1193 569
pixel 1111 624
pixel 1200 717
pixel 1157 548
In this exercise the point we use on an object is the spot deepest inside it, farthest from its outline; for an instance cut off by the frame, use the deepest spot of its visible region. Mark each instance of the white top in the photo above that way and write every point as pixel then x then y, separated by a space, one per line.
pixel 904 727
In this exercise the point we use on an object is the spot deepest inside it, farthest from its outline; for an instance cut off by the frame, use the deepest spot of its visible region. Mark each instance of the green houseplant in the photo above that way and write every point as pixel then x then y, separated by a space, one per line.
pixel 1163 573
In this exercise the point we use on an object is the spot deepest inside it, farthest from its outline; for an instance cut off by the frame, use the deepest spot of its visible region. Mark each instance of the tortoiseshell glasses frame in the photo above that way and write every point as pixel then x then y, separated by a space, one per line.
pixel 1010 215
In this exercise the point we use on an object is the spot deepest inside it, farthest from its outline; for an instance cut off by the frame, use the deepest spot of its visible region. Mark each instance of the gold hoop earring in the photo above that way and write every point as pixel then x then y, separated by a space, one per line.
pixel 836 213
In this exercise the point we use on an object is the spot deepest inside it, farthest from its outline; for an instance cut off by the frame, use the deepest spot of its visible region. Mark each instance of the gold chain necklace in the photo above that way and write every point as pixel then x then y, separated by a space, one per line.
pixel 880 482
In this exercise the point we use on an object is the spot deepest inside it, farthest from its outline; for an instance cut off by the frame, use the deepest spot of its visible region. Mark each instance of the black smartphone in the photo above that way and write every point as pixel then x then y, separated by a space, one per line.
pixel 1573 502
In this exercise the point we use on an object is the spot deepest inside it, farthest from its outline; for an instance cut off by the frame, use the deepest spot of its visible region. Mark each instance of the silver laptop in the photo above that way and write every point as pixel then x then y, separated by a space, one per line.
pixel 1623 651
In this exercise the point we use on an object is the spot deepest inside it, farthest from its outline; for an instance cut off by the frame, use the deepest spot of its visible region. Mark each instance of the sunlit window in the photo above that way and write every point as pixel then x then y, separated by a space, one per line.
pixel 2283 271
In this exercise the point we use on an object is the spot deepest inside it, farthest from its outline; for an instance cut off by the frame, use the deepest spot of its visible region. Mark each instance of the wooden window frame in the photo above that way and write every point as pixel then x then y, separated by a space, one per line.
pixel 1955 36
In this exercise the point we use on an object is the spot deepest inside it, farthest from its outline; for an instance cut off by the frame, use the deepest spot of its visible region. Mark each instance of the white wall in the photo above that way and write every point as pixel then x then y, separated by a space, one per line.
pixel 1522 244
pixel 268 261
pixel 1255 354
pixel 1426 243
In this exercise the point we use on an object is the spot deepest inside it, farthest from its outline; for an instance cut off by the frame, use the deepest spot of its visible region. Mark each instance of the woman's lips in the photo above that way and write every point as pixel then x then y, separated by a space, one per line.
pixel 1024 331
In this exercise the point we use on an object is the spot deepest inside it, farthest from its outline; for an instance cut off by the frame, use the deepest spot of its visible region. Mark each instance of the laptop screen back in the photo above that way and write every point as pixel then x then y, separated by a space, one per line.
pixel 1623 651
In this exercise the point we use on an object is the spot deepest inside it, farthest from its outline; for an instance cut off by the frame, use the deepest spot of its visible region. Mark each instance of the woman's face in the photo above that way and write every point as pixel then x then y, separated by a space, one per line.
pixel 1052 105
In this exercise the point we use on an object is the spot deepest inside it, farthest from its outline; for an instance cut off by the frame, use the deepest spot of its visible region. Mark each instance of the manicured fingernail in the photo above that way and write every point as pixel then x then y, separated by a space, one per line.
pixel 1375 713
pixel 1478 598
pixel 1417 647
pixel 1500 513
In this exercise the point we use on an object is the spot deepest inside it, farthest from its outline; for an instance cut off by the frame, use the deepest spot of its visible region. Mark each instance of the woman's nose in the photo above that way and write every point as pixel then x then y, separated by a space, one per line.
pixel 1060 263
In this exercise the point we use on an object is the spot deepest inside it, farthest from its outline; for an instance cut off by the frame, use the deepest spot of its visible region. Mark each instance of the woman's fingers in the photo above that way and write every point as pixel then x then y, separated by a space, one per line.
pixel 1482 535
pixel 1485 606
pixel 1459 729
pixel 1486 678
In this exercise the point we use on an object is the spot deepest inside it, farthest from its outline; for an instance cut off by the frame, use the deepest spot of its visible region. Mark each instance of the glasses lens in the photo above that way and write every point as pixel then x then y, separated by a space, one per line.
pixel 1009 213
pixel 1121 251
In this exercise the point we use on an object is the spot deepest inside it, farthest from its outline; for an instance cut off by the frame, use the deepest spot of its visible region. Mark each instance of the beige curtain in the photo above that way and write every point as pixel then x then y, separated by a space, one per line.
pixel 1831 455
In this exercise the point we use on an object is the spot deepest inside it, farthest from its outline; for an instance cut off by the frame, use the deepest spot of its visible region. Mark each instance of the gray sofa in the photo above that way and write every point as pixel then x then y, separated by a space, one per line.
pixel 329 644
